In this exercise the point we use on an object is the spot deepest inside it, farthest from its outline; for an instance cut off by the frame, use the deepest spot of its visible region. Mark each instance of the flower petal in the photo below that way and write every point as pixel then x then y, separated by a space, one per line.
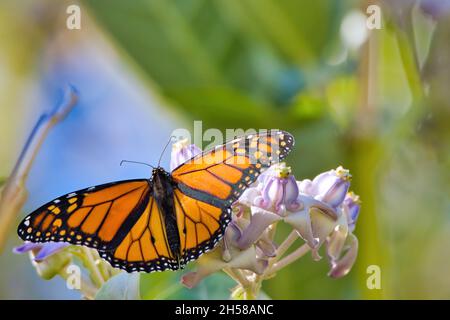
pixel 181 152
pixel 191 279
pixel 322 224
pixel 305 186
pixel 49 249
pixel 249 196
pixel 351 207
pixel 259 222
pixel 336 241
pixel 330 187
pixel 266 246
pixel 212 262
pixel 26 247
pixel 343 266
pixel 301 222
pixel 291 195
pixel 335 195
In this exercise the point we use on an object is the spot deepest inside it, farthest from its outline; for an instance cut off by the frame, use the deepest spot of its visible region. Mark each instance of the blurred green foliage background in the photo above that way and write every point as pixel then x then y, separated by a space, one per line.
pixel 375 101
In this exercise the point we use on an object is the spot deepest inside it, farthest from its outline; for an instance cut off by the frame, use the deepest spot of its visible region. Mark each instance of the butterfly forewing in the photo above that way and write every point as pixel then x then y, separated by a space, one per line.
pixel 211 182
pixel 96 217
pixel 225 171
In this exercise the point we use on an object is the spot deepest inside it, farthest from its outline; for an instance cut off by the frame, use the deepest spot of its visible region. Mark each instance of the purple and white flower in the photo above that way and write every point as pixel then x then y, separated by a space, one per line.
pixel 47 258
pixel 182 151
pixel 40 251
pixel 352 206
pixel 329 187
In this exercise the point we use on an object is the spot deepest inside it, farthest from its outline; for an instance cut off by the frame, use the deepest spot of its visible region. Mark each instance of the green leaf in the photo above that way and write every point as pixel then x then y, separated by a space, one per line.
pixel 124 286
pixel 159 285
pixel 308 106
pixel 166 285
pixel 235 109
pixel 224 61
pixel 342 96
pixel 424 27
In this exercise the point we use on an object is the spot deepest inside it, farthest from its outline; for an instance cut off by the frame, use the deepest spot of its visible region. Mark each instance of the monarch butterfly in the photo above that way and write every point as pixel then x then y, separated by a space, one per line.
pixel 165 221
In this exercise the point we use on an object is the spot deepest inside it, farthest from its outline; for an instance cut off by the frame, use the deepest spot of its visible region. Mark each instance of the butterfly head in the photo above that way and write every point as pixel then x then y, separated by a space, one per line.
pixel 159 172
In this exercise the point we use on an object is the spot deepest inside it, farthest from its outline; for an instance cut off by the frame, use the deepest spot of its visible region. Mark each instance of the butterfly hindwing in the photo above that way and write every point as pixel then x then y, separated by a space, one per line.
pixel 96 217
pixel 145 247
pixel 200 224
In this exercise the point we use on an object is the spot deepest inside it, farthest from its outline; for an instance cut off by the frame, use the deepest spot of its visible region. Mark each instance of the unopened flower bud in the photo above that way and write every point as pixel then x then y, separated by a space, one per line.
pixel 279 190
pixel 329 187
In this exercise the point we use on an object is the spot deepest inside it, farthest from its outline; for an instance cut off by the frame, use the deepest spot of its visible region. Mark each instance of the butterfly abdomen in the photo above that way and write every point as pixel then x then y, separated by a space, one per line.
pixel 163 193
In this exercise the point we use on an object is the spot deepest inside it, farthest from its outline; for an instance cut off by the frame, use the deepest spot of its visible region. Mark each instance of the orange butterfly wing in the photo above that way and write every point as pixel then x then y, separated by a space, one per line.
pixel 145 247
pixel 96 217
pixel 211 182
pixel 200 224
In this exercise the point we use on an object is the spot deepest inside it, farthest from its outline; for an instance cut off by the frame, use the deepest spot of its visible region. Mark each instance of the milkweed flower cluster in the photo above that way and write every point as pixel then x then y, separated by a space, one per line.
pixel 322 212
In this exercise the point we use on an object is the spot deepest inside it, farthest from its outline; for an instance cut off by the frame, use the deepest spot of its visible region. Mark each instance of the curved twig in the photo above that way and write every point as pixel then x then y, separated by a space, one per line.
pixel 14 194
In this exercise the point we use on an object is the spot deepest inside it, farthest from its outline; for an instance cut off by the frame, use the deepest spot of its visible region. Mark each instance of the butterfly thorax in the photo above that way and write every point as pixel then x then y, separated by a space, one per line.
pixel 163 194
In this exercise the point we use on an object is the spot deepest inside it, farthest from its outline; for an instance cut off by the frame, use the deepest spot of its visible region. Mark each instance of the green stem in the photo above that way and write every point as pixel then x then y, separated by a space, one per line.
pixel 87 288
pixel 102 266
pixel 367 154
pixel 237 276
pixel 249 294
pixel 286 244
pixel 410 64
pixel 249 288
pixel 14 193
pixel 91 265
pixel 294 256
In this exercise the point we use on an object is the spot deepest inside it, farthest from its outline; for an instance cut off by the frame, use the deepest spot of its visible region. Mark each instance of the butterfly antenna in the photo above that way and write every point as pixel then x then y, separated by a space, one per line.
pixel 136 162
pixel 162 153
